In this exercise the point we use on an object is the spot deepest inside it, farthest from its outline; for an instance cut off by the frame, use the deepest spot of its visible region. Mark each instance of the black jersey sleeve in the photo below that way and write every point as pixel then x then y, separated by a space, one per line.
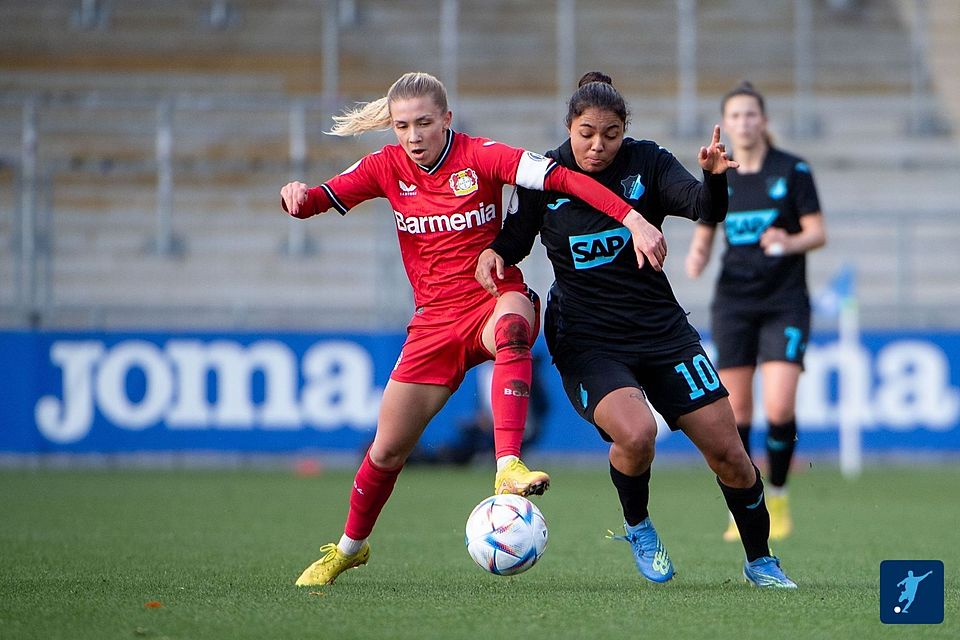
pixel 804 189
pixel 684 195
pixel 520 226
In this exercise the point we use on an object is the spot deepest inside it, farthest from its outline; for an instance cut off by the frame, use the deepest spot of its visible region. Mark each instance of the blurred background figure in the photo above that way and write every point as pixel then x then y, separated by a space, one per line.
pixel 761 308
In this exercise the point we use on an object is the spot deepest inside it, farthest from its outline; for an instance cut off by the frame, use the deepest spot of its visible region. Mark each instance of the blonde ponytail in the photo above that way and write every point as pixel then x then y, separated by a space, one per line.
pixel 369 116
pixel 375 116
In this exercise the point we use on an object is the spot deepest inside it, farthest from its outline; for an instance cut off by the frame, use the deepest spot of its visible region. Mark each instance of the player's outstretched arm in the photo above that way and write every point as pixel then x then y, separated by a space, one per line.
pixel 302 202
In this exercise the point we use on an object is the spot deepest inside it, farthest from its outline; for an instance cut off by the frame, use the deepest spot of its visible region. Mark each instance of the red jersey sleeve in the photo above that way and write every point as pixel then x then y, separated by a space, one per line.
pixel 589 190
pixel 355 184
pixel 511 165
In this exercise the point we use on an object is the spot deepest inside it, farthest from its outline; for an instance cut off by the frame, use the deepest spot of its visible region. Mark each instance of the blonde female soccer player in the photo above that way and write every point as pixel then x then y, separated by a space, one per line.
pixel 445 190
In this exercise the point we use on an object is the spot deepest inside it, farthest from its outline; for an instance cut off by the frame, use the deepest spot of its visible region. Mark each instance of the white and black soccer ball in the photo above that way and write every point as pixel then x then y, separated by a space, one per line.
pixel 506 534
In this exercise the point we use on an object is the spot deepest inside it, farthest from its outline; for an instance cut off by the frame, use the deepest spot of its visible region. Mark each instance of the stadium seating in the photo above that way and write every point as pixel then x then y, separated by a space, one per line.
pixel 887 191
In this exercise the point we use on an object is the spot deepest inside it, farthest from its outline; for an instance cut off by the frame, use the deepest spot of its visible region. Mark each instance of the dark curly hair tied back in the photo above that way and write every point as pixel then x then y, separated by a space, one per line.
pixel 596 90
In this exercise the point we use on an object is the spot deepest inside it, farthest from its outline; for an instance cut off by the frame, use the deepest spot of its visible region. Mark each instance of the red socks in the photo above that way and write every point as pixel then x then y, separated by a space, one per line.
pixel 371 488
pixel 512 373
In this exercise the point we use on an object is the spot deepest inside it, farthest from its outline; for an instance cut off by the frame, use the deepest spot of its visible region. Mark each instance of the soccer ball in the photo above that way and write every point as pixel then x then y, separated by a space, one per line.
pixel 506 534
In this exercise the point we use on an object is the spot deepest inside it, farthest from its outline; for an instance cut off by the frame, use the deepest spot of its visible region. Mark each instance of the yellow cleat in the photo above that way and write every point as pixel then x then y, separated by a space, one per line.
pixel 732 534
pixel 781 525
pixel 518 480
pixel 326 569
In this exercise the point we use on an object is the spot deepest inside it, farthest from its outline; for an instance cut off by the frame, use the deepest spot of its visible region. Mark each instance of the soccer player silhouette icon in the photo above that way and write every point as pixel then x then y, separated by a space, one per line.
pixel 909 584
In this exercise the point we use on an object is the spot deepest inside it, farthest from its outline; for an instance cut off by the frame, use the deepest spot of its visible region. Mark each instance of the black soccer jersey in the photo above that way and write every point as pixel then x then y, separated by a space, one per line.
pixel 600 297
pixel 777 196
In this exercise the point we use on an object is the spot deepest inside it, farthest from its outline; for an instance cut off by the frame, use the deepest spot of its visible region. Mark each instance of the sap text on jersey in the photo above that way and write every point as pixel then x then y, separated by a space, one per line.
pixel 746 227
pixel 446 222
pixel 595 249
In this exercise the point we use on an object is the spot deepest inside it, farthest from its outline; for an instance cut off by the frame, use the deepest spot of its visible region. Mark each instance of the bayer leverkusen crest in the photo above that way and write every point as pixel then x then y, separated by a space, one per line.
pixel 463 182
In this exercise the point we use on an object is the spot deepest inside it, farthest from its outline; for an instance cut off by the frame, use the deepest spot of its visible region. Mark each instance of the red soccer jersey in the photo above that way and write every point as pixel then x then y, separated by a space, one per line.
pixel 447 214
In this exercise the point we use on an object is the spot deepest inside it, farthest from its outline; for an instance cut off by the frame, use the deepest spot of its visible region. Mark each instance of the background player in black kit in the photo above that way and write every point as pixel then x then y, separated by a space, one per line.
pixel 761 309
pixel 618 335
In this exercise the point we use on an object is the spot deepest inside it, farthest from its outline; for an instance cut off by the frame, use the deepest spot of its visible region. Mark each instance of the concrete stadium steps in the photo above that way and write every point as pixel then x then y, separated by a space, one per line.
pixel 876 179
pixel 233 255
pixel 194 282
pixel 158 46
pixel 46 75
pixel 389 38
pixel 944 53
pixel 163 27
pixel 117 133
pixel 934 263
pixel 11 133
pixel 505 46
pixel 144 48
pixel 887 189
pixel 509 46
pixel 9 242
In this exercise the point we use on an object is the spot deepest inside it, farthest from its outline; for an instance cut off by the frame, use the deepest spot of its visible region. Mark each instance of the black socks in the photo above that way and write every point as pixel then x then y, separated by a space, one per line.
pixel 781 441
pixel 749 509
pixel 634 494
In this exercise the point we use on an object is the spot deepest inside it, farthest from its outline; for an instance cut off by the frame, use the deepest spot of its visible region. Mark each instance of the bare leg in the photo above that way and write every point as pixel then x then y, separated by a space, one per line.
pixel 713 430
pixel 739 382
pixel 627 419
pixel 404 413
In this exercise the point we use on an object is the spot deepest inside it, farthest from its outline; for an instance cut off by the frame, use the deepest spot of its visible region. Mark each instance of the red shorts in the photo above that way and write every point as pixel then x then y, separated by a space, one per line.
pixel 441 345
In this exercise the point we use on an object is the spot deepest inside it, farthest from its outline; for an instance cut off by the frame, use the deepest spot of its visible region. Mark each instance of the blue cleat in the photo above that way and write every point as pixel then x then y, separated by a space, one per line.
pixel 652 559
pixel 765 572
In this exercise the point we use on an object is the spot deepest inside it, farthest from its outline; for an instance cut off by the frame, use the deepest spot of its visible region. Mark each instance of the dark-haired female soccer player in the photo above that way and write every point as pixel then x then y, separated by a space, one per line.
pixel 761 309
pixel 445 191
pixel 618 336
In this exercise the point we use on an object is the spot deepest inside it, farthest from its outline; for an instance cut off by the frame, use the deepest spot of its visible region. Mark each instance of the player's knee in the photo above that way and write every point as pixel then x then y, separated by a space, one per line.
pixel 638 444
pixel 742 410
pixel 512 331
pixel 388 457
pixel 732 464
pixel 782 414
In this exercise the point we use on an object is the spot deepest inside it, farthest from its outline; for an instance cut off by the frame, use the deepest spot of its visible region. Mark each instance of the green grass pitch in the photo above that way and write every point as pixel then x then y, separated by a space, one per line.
pixel 84 552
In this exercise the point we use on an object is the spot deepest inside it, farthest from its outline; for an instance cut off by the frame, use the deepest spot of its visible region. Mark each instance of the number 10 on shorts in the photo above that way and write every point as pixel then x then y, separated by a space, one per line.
pixel 709 379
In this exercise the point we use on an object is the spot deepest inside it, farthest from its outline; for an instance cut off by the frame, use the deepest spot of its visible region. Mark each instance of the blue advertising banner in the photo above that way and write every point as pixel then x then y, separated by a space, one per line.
pixel 275 393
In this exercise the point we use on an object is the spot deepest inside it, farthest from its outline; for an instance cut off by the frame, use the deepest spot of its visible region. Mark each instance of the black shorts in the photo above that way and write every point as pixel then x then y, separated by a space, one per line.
pixel 676 383
pixel 744 337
